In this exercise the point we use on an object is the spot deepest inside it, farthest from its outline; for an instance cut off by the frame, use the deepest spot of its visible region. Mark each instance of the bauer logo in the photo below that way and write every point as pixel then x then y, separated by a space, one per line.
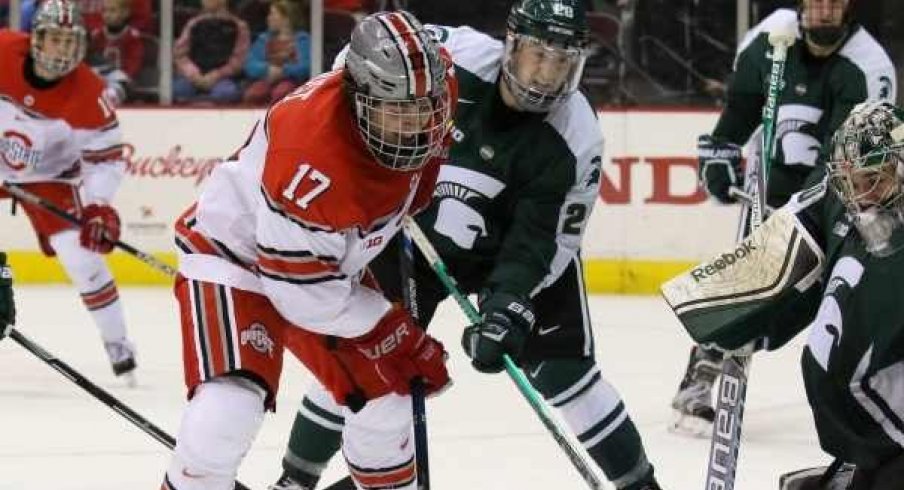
pixel 724 448
pixel 723 262
pixel 260 340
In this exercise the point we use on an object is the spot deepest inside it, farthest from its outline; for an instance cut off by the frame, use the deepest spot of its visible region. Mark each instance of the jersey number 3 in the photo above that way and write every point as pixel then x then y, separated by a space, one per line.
pixel 321 180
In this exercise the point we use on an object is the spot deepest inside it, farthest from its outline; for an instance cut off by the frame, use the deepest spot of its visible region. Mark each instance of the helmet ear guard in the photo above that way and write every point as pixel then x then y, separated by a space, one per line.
pixel 55 16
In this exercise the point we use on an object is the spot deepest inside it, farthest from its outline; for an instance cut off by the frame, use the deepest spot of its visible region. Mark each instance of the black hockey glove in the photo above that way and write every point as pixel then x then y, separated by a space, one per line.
pixel 507 321
pixel 7 307
pixel 719 166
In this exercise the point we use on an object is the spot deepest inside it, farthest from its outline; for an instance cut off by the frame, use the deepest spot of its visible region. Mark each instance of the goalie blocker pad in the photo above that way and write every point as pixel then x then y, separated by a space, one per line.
pixel 719 300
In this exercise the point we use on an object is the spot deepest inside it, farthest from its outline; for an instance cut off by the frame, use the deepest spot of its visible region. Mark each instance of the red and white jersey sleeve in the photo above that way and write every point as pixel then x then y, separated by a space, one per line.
pixel 35 149
pixel 299 212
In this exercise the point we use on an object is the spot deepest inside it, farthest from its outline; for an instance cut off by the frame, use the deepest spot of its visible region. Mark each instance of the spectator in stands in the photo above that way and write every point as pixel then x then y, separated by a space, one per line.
pixel 351 6
pixel 116 50
pixel 93 14
pixel 27 11
pixel 209 54
pixel 280 58
pixel 254 13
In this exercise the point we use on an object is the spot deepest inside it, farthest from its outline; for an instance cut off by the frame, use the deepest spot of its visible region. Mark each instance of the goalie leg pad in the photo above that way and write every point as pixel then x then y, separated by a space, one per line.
pixel 716 300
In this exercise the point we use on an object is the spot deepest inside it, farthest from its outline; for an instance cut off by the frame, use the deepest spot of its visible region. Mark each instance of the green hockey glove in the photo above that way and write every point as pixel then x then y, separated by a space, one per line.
pixel 719 166
pixel 507 321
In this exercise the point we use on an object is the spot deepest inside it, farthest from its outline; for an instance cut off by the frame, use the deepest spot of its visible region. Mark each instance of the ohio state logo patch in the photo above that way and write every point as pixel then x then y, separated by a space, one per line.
pixel 260 340
pixel 16 151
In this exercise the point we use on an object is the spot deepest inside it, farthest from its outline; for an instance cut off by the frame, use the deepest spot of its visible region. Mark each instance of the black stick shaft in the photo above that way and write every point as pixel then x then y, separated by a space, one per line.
pixel 99 393
pixel 145 257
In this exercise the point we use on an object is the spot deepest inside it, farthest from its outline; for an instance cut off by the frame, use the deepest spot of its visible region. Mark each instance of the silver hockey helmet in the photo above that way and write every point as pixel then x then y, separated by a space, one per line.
pixel 58 37
pixel 866 167
pixel 399 87
pixel 545 50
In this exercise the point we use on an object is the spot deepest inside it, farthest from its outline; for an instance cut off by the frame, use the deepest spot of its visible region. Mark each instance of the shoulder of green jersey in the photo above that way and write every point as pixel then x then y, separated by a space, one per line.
pixel 864 52
pixel 471 50
pixel 780 19
pixel 576 122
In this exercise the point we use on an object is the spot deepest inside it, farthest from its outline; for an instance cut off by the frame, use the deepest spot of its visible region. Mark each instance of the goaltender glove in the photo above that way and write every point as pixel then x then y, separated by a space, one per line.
pixel 719 166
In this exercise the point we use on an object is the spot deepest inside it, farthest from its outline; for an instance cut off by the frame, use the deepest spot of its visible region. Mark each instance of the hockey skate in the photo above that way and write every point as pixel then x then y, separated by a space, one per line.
pixel 693 404
pixel 287 482
pixel 122 360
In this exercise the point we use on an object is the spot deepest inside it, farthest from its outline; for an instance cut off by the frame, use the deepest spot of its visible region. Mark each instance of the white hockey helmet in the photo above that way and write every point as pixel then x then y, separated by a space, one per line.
pixel 58 37
pixel 397 82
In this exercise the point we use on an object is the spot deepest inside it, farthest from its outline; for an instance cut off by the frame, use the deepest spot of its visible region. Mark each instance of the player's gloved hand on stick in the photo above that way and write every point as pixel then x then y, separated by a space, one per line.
pixel 507 321
pixel 100 228
pixel 719 166
pixel 7 306
pixel 401 352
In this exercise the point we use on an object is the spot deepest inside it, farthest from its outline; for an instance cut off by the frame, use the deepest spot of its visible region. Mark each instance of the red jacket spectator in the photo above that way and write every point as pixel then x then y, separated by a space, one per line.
pixel 123 50
pixel 92 12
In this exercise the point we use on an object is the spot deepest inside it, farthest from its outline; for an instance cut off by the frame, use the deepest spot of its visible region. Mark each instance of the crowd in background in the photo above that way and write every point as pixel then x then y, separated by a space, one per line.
pixel 644 52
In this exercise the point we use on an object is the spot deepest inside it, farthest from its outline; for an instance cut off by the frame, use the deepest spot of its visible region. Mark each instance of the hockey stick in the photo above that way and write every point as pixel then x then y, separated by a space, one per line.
pixel 418 405
pixel 577 457
pixel 726 437
pixel 145 257
pixel 99 393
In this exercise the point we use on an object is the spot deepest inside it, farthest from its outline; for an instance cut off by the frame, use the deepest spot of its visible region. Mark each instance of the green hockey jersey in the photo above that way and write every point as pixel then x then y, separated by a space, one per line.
pixel 818 94
pixel 511 204
pixel 853 364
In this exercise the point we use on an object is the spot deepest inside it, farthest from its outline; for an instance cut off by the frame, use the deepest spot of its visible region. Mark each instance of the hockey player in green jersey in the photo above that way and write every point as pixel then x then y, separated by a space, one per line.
pixel 834 65
pixel 830 260
pixel 507 217
pixel 7 306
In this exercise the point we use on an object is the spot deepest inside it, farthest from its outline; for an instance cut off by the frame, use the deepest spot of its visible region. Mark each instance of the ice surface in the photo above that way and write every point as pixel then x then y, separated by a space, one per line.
pixel 483 435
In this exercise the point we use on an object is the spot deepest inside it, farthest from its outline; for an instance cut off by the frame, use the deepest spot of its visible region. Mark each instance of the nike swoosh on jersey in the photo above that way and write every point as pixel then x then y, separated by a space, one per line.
pixel 466 101
pixel 547 330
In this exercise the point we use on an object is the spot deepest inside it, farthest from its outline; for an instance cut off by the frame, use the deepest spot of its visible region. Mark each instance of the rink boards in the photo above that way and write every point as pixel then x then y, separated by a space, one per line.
pixel 651 221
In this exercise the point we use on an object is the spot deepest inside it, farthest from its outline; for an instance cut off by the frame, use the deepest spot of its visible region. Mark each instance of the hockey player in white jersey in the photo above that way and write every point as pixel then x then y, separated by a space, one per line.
pixel 508 216
pixel 60 140
pixel 834 65
pixel 274 252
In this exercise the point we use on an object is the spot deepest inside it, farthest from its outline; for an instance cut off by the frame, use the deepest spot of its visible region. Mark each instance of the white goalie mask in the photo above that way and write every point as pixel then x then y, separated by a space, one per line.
pixel 58 37
pixel 399 89
pixel 867 171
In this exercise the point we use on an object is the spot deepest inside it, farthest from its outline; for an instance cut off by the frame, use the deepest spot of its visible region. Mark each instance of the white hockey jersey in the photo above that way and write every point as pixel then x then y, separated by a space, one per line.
pixel 35 149
pixel 299 211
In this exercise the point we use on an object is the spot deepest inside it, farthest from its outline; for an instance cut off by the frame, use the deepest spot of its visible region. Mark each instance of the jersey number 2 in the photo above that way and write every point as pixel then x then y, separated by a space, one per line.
pixel 323 183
